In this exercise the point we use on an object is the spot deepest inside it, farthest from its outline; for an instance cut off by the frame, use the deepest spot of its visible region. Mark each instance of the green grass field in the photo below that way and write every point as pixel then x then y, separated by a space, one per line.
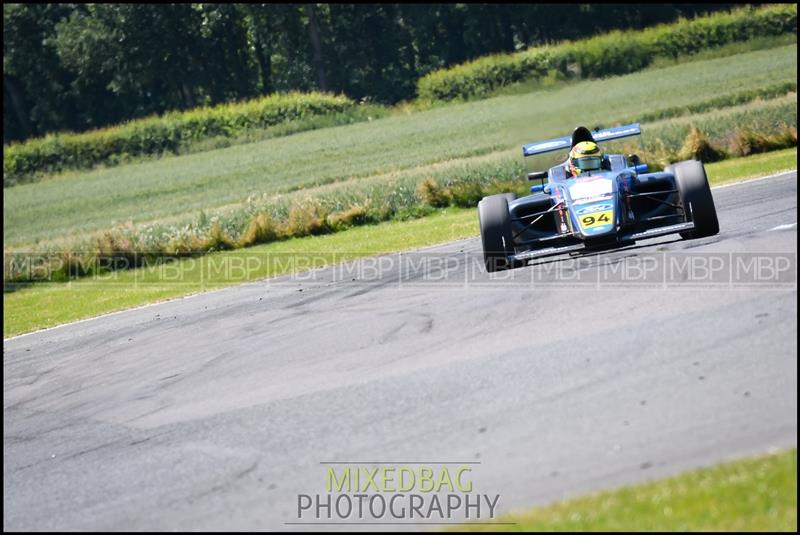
pixel 179 187
pixel 730 49
pixel 47 304
pixel 758 494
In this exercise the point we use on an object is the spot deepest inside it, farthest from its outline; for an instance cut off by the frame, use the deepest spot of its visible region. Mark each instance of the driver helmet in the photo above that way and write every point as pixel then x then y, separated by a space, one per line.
pixel 585 156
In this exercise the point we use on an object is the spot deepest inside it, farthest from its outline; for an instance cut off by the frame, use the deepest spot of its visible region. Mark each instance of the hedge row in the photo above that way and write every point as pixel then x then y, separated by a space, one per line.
pixel 157 135
pixel 719 134
pixel 613 53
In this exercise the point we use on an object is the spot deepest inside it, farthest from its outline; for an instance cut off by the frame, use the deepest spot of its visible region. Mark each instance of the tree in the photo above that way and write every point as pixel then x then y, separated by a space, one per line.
pixel 153 57
pixel 34 82
pixel 316 47
pixel 257 19
pixel 372 51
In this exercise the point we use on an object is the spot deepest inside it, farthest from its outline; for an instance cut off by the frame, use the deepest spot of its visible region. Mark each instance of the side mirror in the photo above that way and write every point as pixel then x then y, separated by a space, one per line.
pixel 537 188
pixel 642 168
pixel 537 175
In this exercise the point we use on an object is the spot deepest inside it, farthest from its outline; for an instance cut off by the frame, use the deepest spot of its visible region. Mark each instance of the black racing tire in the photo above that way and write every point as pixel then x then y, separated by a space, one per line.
pixel 695 194
pixel 510 197
pixel 496 237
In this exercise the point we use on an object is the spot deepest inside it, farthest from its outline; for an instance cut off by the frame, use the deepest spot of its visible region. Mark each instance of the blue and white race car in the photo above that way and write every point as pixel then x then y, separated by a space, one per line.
pixel 612 206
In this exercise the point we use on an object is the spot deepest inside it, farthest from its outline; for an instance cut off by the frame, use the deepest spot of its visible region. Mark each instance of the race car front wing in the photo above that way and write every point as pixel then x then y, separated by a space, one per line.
pixel 623 239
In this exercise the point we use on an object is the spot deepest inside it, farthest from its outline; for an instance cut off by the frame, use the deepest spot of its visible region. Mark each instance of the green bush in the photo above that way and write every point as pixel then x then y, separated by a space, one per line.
pixel 745 141
pixel 306 218
pixel 609 54
pixel 23 162
pixel 698 147
pixel 355 215
pixel 432 194
pixel 218 239
pixel 261 229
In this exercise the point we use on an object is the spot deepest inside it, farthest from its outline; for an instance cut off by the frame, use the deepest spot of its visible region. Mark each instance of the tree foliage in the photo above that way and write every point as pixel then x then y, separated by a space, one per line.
pixel 81 66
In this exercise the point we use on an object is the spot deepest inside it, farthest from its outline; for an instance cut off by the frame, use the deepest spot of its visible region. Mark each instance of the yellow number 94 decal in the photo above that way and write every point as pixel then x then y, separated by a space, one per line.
pixel 596 219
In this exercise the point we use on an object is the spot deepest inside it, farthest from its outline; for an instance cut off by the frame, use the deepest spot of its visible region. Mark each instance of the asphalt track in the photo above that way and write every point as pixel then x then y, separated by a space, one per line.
pixel 216 411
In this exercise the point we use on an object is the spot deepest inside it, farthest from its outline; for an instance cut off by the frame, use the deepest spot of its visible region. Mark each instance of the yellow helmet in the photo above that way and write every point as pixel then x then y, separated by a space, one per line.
pixel 585 156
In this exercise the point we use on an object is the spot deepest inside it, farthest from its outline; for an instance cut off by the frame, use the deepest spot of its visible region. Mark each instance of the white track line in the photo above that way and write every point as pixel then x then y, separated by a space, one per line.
pixel 746 181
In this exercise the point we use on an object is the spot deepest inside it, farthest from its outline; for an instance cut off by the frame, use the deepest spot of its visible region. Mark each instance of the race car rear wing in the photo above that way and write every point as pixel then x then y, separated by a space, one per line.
pixel 563 143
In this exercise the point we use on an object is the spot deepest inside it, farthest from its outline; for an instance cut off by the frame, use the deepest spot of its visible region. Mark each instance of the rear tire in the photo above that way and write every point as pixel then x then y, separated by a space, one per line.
pixel 495 223
pixel 695 194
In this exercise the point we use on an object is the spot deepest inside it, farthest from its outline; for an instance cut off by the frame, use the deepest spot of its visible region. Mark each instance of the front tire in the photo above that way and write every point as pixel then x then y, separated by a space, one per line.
pixel 496 237
pixel 695 194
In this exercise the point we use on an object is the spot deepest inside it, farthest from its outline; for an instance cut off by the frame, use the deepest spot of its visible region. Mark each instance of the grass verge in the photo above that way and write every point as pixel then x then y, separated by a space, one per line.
pixel 47 304
pixel 752 166
pixel 758 494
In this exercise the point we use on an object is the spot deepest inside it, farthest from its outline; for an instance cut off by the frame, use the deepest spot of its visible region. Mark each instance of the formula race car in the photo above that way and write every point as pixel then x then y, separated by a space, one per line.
pixel 611 203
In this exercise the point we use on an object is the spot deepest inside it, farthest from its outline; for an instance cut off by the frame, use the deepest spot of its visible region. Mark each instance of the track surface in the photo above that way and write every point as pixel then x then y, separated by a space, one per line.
pixel 214 412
